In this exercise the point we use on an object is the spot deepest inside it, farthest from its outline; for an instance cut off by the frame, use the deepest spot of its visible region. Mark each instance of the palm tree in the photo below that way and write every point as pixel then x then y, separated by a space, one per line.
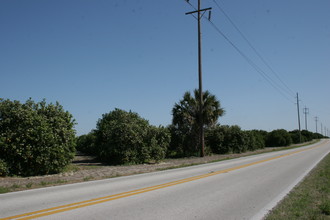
pixel 186 116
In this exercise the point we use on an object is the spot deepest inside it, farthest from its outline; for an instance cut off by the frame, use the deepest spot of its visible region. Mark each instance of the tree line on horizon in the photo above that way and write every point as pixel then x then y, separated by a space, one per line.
pixel 123 137
pixel 39 138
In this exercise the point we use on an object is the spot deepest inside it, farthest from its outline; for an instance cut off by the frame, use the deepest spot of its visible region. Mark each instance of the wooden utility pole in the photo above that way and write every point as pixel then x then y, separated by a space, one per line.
pixel 316 119
pixel 321 128
pixel 298 118
pixel 306 111
pixel 201 104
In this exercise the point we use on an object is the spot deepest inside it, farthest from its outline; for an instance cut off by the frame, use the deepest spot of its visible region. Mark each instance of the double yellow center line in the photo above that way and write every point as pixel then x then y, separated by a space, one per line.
pixel 68 207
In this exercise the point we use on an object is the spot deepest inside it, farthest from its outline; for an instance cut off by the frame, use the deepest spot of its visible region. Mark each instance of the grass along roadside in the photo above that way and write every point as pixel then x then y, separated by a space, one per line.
pixel 19 184
pixel 308 200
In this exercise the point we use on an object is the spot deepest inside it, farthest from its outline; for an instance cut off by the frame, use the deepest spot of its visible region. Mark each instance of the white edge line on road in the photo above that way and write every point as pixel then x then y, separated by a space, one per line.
pixel 267 208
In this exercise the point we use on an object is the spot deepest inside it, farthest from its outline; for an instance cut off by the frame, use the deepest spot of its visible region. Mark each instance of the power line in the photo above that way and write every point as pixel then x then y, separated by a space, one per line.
pixel 285 87
pixel 274 84
pixel 193 8
pixel 254 65
pixel 282 88
pixel 313 115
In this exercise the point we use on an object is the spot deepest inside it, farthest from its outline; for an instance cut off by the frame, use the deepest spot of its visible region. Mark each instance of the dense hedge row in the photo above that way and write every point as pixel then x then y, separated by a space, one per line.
pixel 35 138
pixel 123 138
pixel 231 139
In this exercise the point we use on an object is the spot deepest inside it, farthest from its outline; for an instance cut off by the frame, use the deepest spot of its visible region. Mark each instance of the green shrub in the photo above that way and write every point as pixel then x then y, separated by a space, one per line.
pixel 277 138
pixel 235 139
pixel 184 142
pixel 3 168
pixel 255 140
pixel 231 139
pixel 35 138
pixel 307 135
pixel 215 140
pixel 158 141
pixel 126 138
pixel 317 136
pixel 87 143
pixel 227 139
pixel 297 137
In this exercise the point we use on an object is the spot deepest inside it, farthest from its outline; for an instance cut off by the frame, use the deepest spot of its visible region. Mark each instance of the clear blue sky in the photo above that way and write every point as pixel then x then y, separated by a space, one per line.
pixel 141 55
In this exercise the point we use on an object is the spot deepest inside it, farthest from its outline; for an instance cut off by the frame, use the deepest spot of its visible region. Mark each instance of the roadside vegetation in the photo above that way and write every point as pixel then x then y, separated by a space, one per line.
pixel 39 138
pixel 35 138
pixel 124 137
pixel 310 199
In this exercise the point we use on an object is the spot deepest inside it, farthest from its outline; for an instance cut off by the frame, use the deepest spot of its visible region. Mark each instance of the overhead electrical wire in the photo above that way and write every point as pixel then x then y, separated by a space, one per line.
pixel 192 7
pixel 287 88
pixel 253 64
pixel 283 89
pixel 289 91
pixel 274 84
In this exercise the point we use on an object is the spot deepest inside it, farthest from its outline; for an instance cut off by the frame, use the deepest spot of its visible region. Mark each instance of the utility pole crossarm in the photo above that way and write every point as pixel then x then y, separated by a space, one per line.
pixel 192 12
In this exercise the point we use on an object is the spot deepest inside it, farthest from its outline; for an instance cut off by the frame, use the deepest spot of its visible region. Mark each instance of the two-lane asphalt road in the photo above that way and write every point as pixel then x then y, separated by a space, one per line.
pixel 243 188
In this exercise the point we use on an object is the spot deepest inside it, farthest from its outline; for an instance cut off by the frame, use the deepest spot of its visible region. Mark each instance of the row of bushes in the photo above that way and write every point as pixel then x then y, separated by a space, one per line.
pixel 125 138
pixel 218 139
pixel 39 138
pixel 231 139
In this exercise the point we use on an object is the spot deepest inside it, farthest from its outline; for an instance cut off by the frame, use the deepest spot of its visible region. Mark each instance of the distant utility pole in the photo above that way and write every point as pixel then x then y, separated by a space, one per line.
pixel 306 112
pixel 201 104
pixel 298 118
pixel 321 128
pixel 325 130
pixel 316 119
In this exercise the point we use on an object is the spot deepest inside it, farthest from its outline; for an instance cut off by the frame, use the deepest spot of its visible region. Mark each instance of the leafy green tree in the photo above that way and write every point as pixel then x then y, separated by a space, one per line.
pixel 186 120
pixel 260 136
pixel 158 141
pixel 277 138
pixel 87 143
pixel 126 138
pixel 297 137
pixel 35 138
pixel 215 138
pixel 307 134
pixel 317 136
pixel 235 139
pixel 3 168
pixel 231 139
pixel 255 140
